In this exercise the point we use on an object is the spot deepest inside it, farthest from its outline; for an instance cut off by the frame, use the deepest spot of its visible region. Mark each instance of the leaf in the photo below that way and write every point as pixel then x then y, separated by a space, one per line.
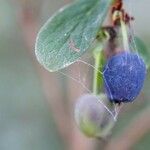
pixel 140 47
pixel 69 33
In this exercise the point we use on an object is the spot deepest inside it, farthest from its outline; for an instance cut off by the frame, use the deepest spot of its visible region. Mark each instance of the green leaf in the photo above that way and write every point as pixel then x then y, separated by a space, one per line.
pixel 140 47
pixel 69 33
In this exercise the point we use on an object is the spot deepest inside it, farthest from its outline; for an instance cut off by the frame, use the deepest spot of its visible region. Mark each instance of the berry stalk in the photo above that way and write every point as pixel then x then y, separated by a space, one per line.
pixel 124 35
pixel 97 80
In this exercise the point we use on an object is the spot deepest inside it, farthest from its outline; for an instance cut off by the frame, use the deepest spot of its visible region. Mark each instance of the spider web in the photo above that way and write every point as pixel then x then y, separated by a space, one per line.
pixel 81 72
pixel 131 30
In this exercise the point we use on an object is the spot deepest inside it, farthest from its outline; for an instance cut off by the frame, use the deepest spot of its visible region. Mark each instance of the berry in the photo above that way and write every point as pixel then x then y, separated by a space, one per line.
pixel 89 114
pixel 124 76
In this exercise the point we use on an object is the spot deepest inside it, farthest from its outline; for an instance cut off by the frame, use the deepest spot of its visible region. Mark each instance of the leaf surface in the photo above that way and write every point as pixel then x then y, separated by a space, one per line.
pixel 69 33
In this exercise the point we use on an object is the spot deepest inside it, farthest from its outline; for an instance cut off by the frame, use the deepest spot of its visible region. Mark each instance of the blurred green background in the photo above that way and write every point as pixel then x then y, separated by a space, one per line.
pixel 34 113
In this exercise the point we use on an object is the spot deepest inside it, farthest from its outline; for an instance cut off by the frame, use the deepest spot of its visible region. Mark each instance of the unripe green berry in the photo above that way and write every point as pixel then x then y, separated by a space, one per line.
pixel 90 115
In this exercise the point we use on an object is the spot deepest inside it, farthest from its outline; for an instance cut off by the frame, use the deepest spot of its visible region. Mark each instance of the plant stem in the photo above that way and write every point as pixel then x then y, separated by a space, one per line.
pixel 107 130
pixel 124 35
pixel 97 81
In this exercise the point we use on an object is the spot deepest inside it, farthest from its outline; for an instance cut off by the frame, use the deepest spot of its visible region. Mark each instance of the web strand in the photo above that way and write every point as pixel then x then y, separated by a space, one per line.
pixel 82 84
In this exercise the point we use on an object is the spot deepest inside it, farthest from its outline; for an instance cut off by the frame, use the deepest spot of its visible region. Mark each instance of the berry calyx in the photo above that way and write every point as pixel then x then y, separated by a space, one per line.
pixel 124 76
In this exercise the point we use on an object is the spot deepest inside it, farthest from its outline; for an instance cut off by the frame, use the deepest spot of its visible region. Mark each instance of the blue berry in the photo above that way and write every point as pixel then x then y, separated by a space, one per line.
pixel 124 76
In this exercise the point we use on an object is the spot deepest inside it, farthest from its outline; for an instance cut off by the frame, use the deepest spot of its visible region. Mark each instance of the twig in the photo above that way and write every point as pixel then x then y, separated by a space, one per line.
pixel 132 134
pixel 30 27
pixel 78 140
